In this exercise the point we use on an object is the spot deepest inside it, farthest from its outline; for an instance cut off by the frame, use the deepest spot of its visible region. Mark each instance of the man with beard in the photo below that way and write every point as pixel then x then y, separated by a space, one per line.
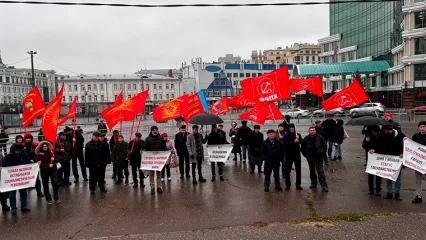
pixel 182 151
pixel 77 143
pixel 29 151
pixel 216 138
pixel 93 152
pixel 244 134
pixel 256 141
pixel 196 153
pixel 154 142
pixel 135 149
pixel 112 142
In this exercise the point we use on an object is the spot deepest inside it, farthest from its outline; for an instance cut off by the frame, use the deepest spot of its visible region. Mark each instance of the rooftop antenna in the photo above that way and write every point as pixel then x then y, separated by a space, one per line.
pixel 145 68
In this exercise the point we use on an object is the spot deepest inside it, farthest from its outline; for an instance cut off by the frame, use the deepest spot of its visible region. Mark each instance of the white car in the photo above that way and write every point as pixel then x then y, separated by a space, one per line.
pixel 296 113
pixel 368 108
pixel 321 112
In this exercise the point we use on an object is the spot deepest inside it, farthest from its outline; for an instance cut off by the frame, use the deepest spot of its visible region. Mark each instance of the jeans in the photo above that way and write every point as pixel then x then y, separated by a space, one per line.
pixel 330 141
pixel 371 183
pixel 246 151
pixel 219 166
pixel 151 179
pixel 268 172
pixel 45 176
pixel 419 184
pixel 12 198
pixel 166 169
pixel 316 166
pixel 64 173
pixel 184 164
pixel 338 150
pixel 79 156
pixel 389 185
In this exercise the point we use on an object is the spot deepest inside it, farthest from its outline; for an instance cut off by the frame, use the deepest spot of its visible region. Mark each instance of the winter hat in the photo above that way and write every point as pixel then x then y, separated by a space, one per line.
pixel 164 134
pixel 66 129
pixel 291 125
pixel 17 146
pixel 422 123
pixel 154 128
pixel 61 134
pixel 214 126
pixel 317 121
pixel 102 134
pixel 387 127
pixel 270 131
pixel 220 125
pixel 138 135
pixel 195 127
pixel 244 122
pixel 256 127
pixel 389 115
pixel 182 126
pixel 96 134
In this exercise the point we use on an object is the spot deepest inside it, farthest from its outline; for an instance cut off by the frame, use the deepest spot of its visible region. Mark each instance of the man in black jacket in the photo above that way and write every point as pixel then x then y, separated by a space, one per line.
pixel 106 154
pixel 135 148
pixel 320 131
pixel 77 144
pixel 102 127
pixel 4 138
pixel 244 134
pixel 292 148
pixel 395 125
pixel 329 125
pixel 216 138
pixel 112 142
pixel 256 141
pixel 372 141
pixel 15 158
pixel 154 142
pixel 419 138
pixel 182 151
pixel 313 148
pixel 93 152
pixel 272 152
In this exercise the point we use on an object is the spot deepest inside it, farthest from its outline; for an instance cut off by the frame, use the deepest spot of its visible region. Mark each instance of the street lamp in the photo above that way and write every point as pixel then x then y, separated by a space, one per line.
pixel 32 67
pixel 143 89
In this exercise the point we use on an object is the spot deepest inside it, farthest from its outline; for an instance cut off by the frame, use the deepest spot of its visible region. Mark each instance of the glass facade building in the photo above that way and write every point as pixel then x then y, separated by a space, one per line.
pixel 374 27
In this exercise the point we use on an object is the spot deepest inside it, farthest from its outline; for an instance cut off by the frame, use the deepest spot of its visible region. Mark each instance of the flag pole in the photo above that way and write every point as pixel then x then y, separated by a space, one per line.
pixel 75 123
pixel 121 128
pixel 131 132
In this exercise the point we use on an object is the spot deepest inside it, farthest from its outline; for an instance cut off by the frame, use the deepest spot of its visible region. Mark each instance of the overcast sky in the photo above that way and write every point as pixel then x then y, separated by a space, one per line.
pixel 122 40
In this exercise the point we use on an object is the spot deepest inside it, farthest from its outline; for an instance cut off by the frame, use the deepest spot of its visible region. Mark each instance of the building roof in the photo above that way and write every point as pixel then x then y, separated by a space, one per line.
pixel 116 76
pixel 341 68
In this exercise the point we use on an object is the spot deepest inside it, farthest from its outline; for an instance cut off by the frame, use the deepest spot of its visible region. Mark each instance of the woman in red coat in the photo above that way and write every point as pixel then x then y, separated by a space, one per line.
pixel 48 170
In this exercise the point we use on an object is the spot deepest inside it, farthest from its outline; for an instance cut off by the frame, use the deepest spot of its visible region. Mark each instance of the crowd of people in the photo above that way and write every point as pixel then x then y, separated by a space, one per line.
pixel 281 148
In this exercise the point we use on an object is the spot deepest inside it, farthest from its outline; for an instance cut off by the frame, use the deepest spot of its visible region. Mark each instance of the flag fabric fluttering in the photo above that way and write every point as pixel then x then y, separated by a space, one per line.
pixel 220 106
pixel 239 101
pixel 71 114
pixel 171 110
pixel 269 87
pixel 50 117
pixel 197 104
pixel 106 111
pixel 313 85
pixel 351 96
pixel 256 114
pixel 33 107
pixel 274 112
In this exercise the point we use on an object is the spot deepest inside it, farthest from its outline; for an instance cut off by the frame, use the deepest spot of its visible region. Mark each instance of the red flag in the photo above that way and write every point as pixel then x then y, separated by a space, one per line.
pixel 71 113
pixel 220 106
pixel 106 111
pixel 274 112
pixel 171 110
pixel 256 114
pixel 33 107
pixel 313 85
pixel 348 97
pixel 197 104
pixel 127 110
pixel 269 87
pixel 50 117
pixel 240 102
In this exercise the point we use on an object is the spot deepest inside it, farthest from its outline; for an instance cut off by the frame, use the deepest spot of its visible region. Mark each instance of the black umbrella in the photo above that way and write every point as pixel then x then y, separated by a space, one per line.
pixel 367 121
pixel 206 119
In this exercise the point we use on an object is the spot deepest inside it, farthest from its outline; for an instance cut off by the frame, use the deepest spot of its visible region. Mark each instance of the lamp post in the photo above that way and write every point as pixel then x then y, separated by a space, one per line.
pixel 32 67
pixel 143 89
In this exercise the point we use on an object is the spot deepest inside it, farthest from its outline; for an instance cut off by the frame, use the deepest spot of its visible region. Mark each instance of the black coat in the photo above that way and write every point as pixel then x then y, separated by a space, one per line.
pixel 272 153
pixel 244 134
pixel 216 138
pixel 155 143
pixel 4 138
pixel 180 143
pixel 236 148
pixel 419 138
pixel 92 153
pixel 112 142
pixel 291 147
pixel 389 144
pixel 339 134
pixel 106 152
pixel 13 159
pixel 313 146
pixel 135 153
pixel 395 125
pixel 119 154
pixel 256 141
pixel 329 126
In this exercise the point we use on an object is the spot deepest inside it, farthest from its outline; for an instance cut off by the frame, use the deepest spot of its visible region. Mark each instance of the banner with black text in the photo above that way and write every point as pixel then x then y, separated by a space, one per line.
pixel 384 166
pixel 415 156
pixel 18 177
pixel 154 161
pixel 219 153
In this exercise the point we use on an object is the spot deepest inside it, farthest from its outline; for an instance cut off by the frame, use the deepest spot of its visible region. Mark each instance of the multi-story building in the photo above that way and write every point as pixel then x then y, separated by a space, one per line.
pixel 229 58
pixel 97 92
pixel 222 79
pixel 299 53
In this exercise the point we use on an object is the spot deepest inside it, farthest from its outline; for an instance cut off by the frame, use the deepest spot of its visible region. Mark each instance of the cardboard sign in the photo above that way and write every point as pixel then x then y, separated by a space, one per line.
pixel 219 153
pixel 415 156
pixel 154 161
pixel 384 166
pixel 18 177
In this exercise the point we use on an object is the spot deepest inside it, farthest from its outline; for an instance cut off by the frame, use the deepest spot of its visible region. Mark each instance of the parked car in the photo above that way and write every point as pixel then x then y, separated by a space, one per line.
pixel 336 112
pixel 296 113
pixel 368 108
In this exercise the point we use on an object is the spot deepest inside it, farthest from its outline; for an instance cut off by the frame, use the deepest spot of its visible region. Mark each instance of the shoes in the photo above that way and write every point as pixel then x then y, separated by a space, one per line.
pixel 86 180
pixel 266 189
pixel 162 179
pixel 152 190
pixel 68 184
pixel 287 188
pixel 159 190
pixel 76 180
pixel 339 157
pixel 417 200
pixel 299 188
pixel 260 171
pixel 194 181
pixel 119 181
pixel 49 202
pixel 378 193
pixel 40 194
pixel 92 192
pixel 234 159
pixel 103 190
pixel 313 187
pixel 126 181
pixel 334 159
pixel 181 176
pixel 188 176
pixel 222 178
pixel 14 212
pixel 57 201
pixel 113 177
pixel 213 179
pixel 201 179
pixel 251 171
pixel 25 209
pixel 169 179
pixel 280 189
pixel 398 197
pixel 244 161
pixel 5 208
pixel 325 189
pixel 388 196
pixel 371 192
pixel 141 183
pixel 135 185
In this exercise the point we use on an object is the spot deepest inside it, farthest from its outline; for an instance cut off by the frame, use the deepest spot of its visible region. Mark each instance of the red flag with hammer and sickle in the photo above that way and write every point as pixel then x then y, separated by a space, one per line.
pixel 348 97
pixel 313 85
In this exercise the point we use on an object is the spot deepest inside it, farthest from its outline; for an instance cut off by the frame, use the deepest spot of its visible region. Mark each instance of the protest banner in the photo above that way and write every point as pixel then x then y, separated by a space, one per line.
pixel 154 161
pixel 18 177
pixel 415 156
pixel 219 153
pixel 384 166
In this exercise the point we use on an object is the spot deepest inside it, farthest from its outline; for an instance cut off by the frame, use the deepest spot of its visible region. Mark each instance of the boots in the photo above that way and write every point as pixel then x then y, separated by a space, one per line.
pixel 127 180
pixel 141 183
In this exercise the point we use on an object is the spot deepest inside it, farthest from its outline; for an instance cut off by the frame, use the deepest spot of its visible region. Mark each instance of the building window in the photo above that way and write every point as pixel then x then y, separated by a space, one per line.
pixel 253 75
pixel 115 86
pixel 420 19
pixel 228 75
pixel 95 98
pixel 89 87
pixel 95 87
pixel 223 83
pixel 259 74
pixel 210 93
pixel 420 46
pixel 172 86
pixel 90 98
pixel 327 59
pixel 155 87
pixel 241 75
pixel 69 88
pixel 216 75
pixel 75 87
pixel 160 86
pixel 63 99
pixel 70 98
pixel 235 75
pixel 172 96
pixel 216 92
pixel 121 87
pixel 343 57
pixel 102 98
pixel 326 47
pixel 129 87
pixel 247 75
pixel 134 86
pixel 115 97
pixel 102 87
pixel 307 58
pixel 420 72
pixel 83 88
pixel 167 96
pixel 76 98
pixel 351 56
pixel 167 86
pixel 147 86
pixel 313 59
pixel 129 96
pixel 155 95
pixel 83 98
pixel 277 58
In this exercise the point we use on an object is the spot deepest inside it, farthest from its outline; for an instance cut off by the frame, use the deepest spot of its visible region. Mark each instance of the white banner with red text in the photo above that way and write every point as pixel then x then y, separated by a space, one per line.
pixel 154 161
pixel 415 156
pixel 219 153
pixel 18 177
pixel 384 166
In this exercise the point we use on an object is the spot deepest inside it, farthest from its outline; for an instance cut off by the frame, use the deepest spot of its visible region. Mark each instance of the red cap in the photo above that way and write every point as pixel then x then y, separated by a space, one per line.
pixel 388 115
pixel 164 134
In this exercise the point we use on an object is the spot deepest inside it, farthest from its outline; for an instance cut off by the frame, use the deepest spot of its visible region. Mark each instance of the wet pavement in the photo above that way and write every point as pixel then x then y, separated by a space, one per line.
pixel 227 210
